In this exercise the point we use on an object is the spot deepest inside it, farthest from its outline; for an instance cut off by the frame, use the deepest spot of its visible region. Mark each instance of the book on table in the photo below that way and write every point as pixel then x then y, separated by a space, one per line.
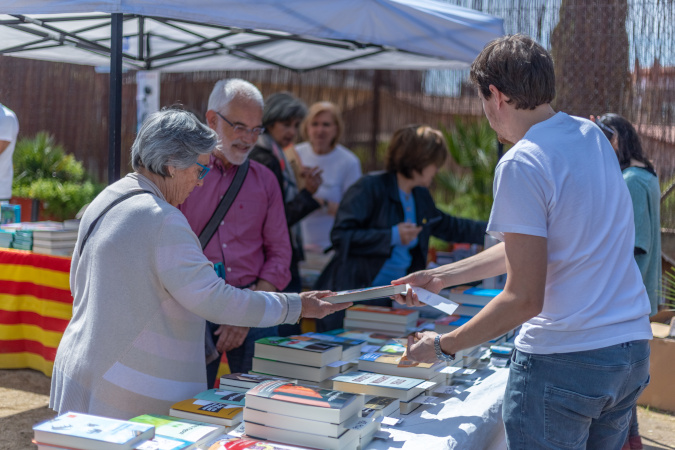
pixel 162 443
pixel 298 349
pixel 54 234
pixel 322 405
pixel 292 370
pixel 68 251
pixel 192 432
pixel 349 440
pixel 242 382
pixel 467 310
pixel 222 395
pixel 357 295
pixel 386 327
pixel 393 363
pixel 448 323
pixel 230 443
pixel 377 406
pixel 351 348
pixel 77 430
pixel 369 383
pixel 310 426
pixel 371 337
pixel 69 243
pixel 476 296
pixel 407 317
pixel 208 411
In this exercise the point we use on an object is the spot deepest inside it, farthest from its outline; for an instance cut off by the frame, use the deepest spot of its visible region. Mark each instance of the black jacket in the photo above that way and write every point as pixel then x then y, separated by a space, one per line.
pixel 361 235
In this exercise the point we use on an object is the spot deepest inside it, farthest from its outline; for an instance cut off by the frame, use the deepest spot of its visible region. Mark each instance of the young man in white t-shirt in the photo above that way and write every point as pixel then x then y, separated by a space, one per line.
pixel 564 216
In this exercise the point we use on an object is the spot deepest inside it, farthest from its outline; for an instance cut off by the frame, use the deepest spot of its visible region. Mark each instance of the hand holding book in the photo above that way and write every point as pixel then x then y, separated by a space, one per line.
pixel 315 308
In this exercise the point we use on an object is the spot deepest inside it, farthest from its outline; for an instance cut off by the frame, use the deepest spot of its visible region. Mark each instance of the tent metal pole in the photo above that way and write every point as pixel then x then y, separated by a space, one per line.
pixel 115 101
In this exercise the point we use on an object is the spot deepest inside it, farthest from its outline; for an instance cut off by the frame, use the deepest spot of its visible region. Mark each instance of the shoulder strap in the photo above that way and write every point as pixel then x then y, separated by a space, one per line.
pixel 108 208
pixel 224 205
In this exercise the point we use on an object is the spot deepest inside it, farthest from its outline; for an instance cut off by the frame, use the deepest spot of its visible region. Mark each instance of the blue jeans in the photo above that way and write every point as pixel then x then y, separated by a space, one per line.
pixel 579 400
pixel 239 359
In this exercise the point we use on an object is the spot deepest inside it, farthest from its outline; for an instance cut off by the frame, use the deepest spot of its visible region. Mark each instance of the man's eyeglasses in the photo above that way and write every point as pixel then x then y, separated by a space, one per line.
pixel 240 129
pixel 203 172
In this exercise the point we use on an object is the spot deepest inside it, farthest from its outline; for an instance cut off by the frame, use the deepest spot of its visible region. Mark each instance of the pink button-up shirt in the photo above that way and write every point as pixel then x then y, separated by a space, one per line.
pixel 252 240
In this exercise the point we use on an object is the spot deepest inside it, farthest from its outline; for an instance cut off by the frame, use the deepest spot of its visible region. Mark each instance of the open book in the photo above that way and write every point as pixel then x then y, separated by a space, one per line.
pixel 357 295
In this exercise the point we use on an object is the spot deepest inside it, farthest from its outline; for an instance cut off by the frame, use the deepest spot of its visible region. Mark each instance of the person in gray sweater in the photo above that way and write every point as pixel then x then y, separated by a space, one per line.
pixel 142 286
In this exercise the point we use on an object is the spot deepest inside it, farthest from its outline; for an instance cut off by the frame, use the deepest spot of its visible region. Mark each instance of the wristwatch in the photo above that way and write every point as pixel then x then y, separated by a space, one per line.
pixel 439 353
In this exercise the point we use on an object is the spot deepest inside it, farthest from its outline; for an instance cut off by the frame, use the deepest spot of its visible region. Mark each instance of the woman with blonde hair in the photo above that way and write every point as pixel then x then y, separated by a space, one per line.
pixel 322 128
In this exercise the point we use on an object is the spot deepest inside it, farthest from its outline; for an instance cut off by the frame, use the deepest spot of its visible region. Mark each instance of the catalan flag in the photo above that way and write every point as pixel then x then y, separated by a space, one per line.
pixel 35 307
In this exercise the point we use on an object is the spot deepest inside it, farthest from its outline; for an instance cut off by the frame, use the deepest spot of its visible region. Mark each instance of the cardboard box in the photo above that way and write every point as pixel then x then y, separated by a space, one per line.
pixel 660 393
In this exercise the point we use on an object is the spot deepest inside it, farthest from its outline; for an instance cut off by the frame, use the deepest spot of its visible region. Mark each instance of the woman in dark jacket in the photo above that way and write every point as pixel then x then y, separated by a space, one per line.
pixel 384 221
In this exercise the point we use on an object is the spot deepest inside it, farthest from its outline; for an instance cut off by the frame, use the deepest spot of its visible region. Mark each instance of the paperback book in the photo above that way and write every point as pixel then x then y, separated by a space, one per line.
pixel 304 402
pixel 407 317
pixel 292 370
pixel 310 426
pixel 79 430
pixel 351 348
pixel 476 296
pixel 207 411
pixel 299 350
pixel 379 406
pixel 356 295
pixel 242 382
pixel 222 395
pixel 403 388
pixel 349 440
pixel 191 431
pixel 249 444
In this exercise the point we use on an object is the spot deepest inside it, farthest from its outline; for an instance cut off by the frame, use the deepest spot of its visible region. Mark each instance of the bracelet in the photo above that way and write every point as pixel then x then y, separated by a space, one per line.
pixel 439 352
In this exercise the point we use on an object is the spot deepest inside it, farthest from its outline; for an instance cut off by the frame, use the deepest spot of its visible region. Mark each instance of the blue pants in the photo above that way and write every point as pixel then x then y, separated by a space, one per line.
pixel 239 359
pixel 579 400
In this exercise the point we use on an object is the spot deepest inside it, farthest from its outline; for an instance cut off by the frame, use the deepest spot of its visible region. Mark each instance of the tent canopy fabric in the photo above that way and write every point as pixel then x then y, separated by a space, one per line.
pixel 301 35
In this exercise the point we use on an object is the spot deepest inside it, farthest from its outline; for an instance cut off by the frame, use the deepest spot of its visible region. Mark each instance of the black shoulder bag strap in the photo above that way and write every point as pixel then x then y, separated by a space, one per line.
pixel 224 205
pixel 108 208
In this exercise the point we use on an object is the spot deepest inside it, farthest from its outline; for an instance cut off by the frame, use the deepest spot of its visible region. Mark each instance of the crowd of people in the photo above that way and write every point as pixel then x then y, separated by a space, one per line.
pixel 196 253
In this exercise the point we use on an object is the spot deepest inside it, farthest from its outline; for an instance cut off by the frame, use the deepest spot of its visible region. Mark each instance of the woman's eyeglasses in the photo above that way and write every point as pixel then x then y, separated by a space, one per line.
pixel 203 172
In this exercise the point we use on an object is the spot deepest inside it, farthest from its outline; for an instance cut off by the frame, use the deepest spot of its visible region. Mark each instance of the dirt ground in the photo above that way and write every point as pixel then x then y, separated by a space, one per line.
pixel 24 399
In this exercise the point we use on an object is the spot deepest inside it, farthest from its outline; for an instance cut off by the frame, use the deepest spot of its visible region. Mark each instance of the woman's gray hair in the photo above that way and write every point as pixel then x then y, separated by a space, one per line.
pixel 227 90
pixel 283 106
pixel 171 137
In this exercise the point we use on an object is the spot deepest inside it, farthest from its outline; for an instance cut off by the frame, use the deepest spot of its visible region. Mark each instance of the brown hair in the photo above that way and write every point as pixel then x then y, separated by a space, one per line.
pixel 519 67
pixel 414 148
pixel 318 108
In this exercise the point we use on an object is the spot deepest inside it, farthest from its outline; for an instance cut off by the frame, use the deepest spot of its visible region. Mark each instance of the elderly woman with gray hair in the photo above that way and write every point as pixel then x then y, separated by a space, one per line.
pixel 142 286
pixel 282 116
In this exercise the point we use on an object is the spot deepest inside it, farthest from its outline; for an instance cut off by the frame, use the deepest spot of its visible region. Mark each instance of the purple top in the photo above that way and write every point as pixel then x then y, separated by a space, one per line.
pixel 252 240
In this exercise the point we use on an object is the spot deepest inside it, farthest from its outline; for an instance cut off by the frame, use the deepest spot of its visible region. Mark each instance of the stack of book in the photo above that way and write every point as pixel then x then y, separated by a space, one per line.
pixel 84 431
pixel 302 415
pixel 54 242
pixel 471 299
pixel 381 318
pixel 351 348
pixel 187 434
pixel 407 390
pixel 298 357
pixel 238 443
pixel 217 406
pixel 380 406
pixel 23 240
pixel 242 382
pixel 6 238
pixel 390 360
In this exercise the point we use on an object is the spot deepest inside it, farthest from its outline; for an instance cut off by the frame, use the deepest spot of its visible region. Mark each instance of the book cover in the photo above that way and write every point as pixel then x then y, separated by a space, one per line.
pixel 348 440
pixel 379 380
pixel 245 380
pixel 383 314
pixel 84 430
pixel 309 426
pixel 227 414
pixel 161 443
pixel 372 338
pixel 379 406
pixel 351 348
pixel 288 392
pixel 250 444
pixel 356 295
pixel 293 370
pixel 222 396
pixel 298 349
pixel 191 431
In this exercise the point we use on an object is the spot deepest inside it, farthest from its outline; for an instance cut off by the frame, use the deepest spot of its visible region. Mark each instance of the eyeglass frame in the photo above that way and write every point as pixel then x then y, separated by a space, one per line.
pixel 203 172
pixel 604 127
pixel 240 129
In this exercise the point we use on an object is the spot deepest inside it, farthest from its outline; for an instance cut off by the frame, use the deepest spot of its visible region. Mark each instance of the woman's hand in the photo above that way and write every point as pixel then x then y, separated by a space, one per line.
pixel 315 308
pixel 312 178
pixel 408 232
pixel 230 337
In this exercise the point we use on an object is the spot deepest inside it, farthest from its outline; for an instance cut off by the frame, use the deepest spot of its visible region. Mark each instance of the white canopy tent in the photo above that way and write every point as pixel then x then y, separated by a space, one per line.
pixel 300 35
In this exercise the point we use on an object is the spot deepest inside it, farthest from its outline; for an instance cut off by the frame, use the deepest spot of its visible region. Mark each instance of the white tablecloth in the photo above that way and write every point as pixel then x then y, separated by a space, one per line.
pixel 470 419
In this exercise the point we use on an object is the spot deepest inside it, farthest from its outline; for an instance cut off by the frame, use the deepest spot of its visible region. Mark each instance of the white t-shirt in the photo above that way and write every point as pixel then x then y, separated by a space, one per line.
pixel 562 181
pixel 341 168
pixel 9 129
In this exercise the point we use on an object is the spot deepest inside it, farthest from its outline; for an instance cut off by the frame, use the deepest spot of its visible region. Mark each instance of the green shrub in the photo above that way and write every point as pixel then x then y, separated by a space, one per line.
pixel 43 171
